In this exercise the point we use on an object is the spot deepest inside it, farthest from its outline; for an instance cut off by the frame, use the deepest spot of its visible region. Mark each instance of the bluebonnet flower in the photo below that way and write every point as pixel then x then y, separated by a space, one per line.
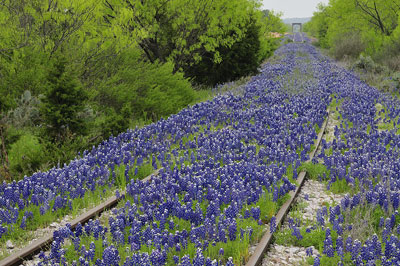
pixel 296 233
pixel 309 252
pixel 355 249
pixel 320 218
pixel 273 224
pixel 256 212
pixel 111 256
pixel 232 231
pixel 381 222
pixel 176 259
pixel 221 252
pixel 317 261
pixel 328 244
pixel 185 261
pixel 229 262
pixel 157 258
pixel 23 222
pixel 199 258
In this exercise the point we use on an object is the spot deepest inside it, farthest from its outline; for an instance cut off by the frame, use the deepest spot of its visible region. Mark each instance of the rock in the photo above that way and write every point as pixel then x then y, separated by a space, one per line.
pixel 294 250
pixel 302 254
pixel 9 244
pixel 54 225
pixel 279 248
pixel 252 249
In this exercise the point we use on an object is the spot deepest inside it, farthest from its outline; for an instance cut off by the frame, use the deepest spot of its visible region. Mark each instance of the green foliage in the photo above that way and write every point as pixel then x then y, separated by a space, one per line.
pixel 25 155
pixel 180 30
pixel 26 112
pixel 341 186
pixel 347 44
pixel 64 100
pixel 114 123
pixel 241 59
pixel 74 72
pixel 314 171
pixel 350 28
pixel 365 63
pixel 148 90
pixel 314 238
pixel 244 56
pixel 318 26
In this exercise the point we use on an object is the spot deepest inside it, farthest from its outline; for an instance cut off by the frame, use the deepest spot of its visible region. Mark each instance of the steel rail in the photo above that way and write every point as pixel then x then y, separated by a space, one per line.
pixel 257 257
pixel 43 243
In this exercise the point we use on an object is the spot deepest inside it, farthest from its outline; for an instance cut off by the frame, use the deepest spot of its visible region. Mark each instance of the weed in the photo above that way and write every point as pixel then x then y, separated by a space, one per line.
pixel 314 171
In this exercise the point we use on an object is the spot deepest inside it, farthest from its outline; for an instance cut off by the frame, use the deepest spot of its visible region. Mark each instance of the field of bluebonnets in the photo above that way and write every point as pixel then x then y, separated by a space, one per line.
pixel 227 166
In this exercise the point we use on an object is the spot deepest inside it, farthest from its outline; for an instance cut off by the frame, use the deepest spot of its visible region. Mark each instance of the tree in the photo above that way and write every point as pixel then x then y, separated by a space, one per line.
pixel 181 30
pixel 380 14
pixel 63 101
pixel 240 59
pixel 319 24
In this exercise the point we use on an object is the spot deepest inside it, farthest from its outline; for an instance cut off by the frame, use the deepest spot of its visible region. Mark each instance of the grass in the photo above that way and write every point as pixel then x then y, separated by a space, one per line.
pixel 340 186
pixel 384 122
pixel 315 238
pixel 314 171
pixel 268 208
pixel 237 249
pixel 90 200
pixel 23 236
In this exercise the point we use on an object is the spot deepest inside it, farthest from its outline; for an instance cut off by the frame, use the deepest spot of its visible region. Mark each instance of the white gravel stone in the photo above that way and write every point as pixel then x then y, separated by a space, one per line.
pixel 9 244
pixel 54 225
pixel 312 197
pixel 282 255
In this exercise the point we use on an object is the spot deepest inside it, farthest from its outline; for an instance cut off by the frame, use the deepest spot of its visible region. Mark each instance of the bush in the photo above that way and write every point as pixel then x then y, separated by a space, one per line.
pixel 347 44
pixel 396 80
pixel 149 90
pixel 365 63
pixel 114 123
pixel 389 54
pixel 27 111
pixel 241 59
pixel 25 155
pixel 63 102
pixel 25 72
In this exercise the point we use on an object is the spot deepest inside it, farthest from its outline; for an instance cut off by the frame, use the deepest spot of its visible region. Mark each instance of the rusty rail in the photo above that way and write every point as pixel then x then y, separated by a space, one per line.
pixel 262 246
pixel 29 251
pixel 43 243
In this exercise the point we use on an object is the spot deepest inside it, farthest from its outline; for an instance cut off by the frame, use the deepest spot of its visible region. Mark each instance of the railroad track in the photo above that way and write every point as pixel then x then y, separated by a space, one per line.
pixel 302 38
pixel 266 240
pixel 44 243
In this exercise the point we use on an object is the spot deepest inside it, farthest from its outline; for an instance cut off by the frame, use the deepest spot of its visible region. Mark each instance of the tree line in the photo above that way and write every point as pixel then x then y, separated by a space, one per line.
pixel 74 72
pixel 350 28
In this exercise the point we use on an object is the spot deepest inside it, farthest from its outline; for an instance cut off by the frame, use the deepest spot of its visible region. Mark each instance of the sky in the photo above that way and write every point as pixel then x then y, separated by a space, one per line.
pixel 293 8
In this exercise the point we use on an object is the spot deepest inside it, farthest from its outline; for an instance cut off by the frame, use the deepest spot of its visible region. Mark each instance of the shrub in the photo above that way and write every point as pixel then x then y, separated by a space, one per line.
pixel 349 44
pixel 25 71
pixel 396 80
pixel 114 123
pixel 63 102
pixel 288 40
pixel 389 54
pixel 365 63
pixel 27 111
pixel 25 155
pixel 241 59
pixel 150 90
